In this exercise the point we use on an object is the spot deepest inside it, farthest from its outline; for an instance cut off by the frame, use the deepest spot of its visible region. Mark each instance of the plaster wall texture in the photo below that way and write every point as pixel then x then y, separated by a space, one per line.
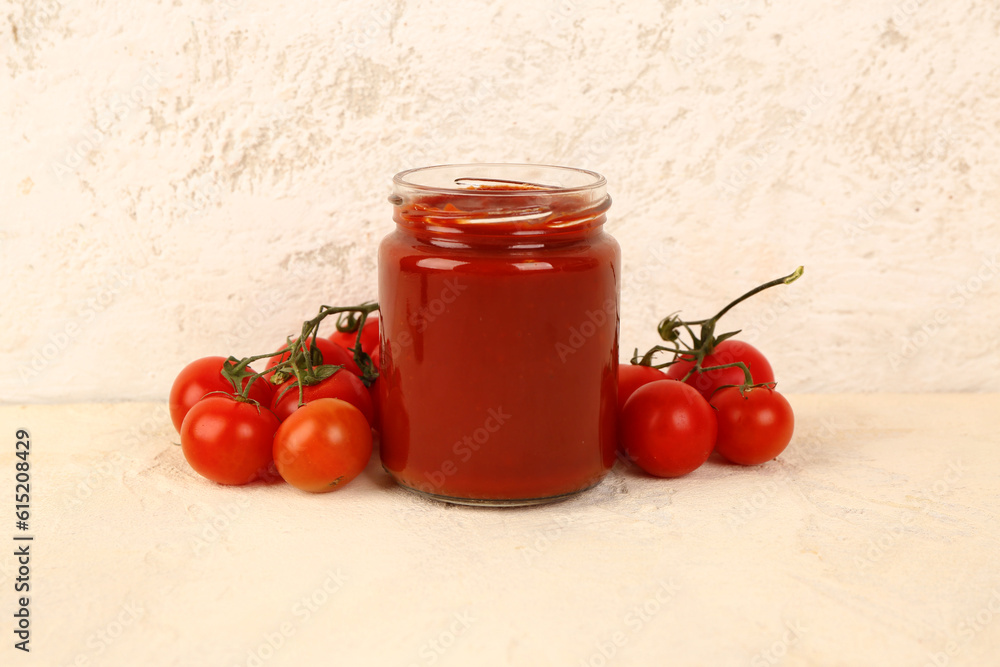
pixel 184 178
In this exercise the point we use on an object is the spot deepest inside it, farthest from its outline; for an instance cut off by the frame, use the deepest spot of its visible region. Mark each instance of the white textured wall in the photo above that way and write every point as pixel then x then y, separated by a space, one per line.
pixel 186 178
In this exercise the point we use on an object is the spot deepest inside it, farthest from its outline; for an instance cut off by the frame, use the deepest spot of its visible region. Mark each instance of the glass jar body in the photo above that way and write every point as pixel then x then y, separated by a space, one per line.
pixel 499 350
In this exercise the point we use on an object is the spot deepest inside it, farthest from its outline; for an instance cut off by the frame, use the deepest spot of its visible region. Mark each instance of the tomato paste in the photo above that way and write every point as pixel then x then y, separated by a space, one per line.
pixel 498 293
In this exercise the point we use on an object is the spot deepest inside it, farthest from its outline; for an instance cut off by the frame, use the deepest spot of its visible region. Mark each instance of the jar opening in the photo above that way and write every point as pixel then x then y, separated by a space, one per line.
pixel 499 179
pixel 509 199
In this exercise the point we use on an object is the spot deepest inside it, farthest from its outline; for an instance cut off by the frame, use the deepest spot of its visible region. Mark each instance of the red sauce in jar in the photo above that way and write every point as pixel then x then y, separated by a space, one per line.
pixel 499 324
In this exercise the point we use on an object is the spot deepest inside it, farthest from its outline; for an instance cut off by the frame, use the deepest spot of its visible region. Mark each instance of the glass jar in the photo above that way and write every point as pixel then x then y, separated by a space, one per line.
pixel 498 293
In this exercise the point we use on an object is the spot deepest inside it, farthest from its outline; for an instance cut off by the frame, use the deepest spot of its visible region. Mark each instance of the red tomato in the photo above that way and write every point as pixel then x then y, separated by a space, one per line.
pixel 330 352
pixel 369 336
pixel 631 377
pixel 323 446
pixel 727 352
pixel 667 428
pixel 345 386
pixel 203 376
pixel 228 441
pixel 752 429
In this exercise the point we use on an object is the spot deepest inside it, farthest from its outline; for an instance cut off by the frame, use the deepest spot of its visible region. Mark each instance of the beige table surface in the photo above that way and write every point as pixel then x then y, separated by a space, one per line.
pixel 874 540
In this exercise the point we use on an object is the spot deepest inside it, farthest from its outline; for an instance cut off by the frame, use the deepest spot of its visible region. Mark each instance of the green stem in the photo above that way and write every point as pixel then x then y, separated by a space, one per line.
pixel 747 378
pixel 704 342
pixel 785 280
pixel 647 359
pixel 304 372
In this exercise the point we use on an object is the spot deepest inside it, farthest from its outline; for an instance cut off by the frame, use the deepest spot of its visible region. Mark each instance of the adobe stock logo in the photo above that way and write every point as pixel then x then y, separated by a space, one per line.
pixel 435 308
pixel 465 448
pixel 581 333
pixel 120 106
pixel 118 281
pixel 966 631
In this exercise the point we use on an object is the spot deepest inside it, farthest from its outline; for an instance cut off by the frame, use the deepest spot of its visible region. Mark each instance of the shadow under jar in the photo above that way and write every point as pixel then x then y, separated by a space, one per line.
pixel 498 293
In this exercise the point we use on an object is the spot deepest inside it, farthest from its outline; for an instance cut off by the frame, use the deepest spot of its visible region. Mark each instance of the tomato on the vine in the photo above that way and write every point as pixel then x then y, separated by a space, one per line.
pixel 202 377
pixel 345 386
pixel 667 428
pixel 229 441
pixel 753 428
pixel 633 376
pixel 330 353
pixel 369 336
pixel 323 445
pixel 727 352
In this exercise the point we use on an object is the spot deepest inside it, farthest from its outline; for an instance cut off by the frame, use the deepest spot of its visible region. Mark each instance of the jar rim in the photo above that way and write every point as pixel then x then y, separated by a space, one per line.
pixel 550 179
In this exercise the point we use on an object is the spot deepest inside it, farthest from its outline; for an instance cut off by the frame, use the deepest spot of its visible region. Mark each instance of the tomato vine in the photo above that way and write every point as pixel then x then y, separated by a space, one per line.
pixel 704 342
pixel 304 358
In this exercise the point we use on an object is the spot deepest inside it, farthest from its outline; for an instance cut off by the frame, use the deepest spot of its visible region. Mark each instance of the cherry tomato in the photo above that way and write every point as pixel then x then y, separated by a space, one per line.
pixel 667 428
pixel 330 352
pixel 345 386
pixel 369 336
pixel 323 445
pixel 631 377
pixel 203 376
pixel 228 441
pixel 727 352
pixel 752 429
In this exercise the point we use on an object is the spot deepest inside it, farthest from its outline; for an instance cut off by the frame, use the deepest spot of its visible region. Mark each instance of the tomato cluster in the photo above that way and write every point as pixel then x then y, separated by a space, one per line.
pixel 671 425
pixel 308 417
pixel 716 394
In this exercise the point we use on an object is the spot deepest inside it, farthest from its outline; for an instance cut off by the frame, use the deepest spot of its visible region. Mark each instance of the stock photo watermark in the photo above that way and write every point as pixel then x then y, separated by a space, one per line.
pixel 23 540
pixel 958 297
pixel 228 7
pixel 421 319
pixel 888 539
pixel 264 308
pixel 543 539
pixel 302 611
pixel 912 177
pixel 805 449
pixel 464 450
pixel 434 648
pixel 49 350
pixel 102 639
pixel 206 191
pixel 637 618
pixel 120 106
pixel 433 144
pixel 658 259
pixel 561 14
pixel 776 652
pixel 593 321
pixel 29 27
pixel 754 160
pixel 709 32
pixel 965 631
pixel 116 461
pixel 768 318
pixel 903 14
pixel 364 34
pixel 599 143
pixel 219 521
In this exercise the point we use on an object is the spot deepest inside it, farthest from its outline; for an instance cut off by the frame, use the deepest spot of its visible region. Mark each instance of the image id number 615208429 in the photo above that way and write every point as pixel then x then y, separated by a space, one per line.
pixel 22 539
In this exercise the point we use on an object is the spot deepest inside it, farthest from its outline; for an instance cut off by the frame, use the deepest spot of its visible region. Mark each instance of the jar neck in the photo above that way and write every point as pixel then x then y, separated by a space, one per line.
pixel 499 204
pixel 494 216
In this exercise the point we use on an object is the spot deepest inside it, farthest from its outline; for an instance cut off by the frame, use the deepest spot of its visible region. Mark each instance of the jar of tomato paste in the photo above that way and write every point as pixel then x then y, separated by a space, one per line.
pixel 498 292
